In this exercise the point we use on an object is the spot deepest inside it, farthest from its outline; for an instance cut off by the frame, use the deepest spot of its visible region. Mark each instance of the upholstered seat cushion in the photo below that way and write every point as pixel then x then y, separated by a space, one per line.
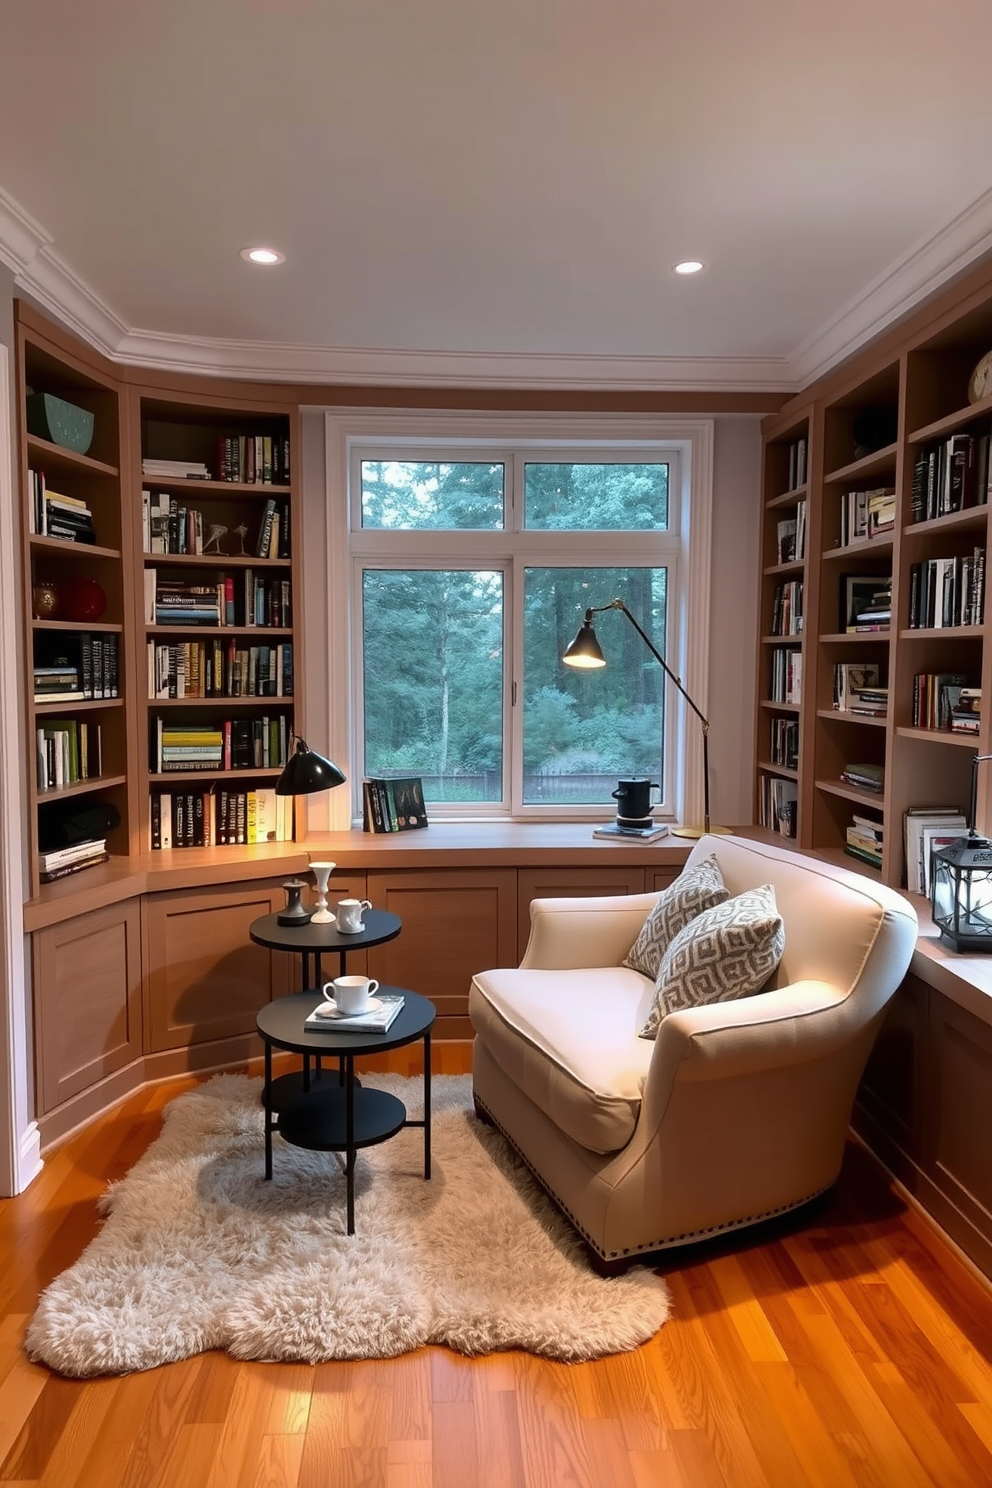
pixel 568 1039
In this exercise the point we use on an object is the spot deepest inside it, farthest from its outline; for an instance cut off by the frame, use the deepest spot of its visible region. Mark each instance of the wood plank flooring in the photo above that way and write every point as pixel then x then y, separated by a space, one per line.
pixel 850 1348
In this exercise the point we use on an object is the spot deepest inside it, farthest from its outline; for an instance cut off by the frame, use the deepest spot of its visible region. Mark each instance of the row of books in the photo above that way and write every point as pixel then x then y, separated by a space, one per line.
pixel 68 750
pixel 927 828
pixel 52 514
pixel 947 592
pixel 863 839
pixel 778 805
pixel 935 696
pixel 868 513
pixel 785 742
pixel 80 668
pixel 966 711
pixel 786 675
pixel 866 777
pixel 393 805
pixel 791 535
pixel 169 526
pixel 266 601
pixel 787 608
pixel 950 476
pixel 215 668
pixel 253 459
pixel 175 469
pixel 233 744
pixel 857 686
pixel 60 862
pixel 868 603
pixel 212 818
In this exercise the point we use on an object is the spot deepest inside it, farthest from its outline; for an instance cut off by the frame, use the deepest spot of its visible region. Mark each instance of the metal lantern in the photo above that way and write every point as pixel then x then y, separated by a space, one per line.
pixel 961 894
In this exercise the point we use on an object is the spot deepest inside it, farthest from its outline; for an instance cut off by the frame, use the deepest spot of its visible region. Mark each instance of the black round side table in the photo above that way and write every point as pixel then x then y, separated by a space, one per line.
pixel 312 940
pixel 335 1113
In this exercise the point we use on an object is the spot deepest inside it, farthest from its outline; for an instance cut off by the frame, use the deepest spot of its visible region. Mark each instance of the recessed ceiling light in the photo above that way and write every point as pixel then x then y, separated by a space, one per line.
pixel 263 255
pixel 689 266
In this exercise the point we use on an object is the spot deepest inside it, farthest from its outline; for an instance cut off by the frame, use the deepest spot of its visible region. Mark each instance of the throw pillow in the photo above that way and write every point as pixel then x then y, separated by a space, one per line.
pixel 726 952
pixel 697 888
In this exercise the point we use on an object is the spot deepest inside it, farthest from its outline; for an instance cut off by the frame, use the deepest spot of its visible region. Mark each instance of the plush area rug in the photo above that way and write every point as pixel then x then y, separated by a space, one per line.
pixel 199 1252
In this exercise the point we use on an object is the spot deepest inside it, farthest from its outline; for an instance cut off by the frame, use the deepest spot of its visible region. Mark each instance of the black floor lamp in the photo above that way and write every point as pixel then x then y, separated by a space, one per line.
pixel 585 651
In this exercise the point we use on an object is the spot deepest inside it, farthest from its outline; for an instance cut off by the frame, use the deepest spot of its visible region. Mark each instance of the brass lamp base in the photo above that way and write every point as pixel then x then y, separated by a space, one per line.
pixel 701 831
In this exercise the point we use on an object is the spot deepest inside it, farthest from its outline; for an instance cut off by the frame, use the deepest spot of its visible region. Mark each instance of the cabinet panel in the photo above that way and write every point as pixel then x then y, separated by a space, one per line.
pixel 892 1091
pixel 454 924
pixel 958 1146
pixel 570 883
pixel 204 977
pixel 87 978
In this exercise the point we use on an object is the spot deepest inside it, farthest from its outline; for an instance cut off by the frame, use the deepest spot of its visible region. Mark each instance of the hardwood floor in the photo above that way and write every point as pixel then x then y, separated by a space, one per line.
pixel 847 1349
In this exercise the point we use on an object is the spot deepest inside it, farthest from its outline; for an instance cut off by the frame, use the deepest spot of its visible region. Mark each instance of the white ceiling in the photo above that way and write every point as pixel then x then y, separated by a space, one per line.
pixel 493 193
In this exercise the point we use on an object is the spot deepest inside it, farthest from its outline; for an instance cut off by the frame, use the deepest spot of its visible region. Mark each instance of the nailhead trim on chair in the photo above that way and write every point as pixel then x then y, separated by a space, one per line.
pixel 672 1240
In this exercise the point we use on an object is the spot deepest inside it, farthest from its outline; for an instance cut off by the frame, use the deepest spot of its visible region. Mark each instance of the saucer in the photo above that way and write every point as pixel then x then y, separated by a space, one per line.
pixel 331 1011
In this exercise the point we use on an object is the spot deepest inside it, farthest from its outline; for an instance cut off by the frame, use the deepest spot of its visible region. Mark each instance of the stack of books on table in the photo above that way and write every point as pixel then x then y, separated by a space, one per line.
pixel 59 862
pixel 175 469
pixel 383 1009
pixel 865 777
pixel 928 828
pixel 864 840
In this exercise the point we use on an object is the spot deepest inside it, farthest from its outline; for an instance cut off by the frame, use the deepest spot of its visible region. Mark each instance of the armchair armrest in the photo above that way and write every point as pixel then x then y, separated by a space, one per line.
pixel 569 933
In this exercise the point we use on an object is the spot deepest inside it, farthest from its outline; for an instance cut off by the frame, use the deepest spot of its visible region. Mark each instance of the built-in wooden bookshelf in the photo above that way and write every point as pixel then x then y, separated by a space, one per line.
pixel 94 756
pixel 897 481
pixel 77 740
pixel 220 544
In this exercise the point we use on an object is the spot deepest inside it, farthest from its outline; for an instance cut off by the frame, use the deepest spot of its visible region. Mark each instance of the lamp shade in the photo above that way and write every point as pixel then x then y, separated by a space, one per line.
pixel 585 650
pixel 306 772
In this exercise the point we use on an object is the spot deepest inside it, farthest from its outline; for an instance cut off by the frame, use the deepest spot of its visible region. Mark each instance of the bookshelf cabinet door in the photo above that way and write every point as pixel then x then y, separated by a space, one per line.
pixel 205 980
pixel 454 924
pixel 88 1009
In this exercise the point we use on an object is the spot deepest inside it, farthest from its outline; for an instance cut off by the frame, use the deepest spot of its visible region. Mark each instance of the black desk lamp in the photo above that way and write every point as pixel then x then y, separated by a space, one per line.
pixel 585 651
pixel 307 771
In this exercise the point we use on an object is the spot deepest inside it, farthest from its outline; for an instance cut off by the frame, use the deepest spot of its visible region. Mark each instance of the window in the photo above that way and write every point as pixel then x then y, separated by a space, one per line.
pixel 472 562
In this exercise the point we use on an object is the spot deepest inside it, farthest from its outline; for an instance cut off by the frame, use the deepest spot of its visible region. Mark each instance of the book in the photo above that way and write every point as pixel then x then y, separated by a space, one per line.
pixel 916 819
pixel 50 875
pixel 638 834
pixel 324 1018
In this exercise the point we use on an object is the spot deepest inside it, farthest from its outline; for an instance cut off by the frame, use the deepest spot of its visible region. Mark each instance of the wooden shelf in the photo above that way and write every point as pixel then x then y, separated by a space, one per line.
pixel 874 464
pixel 240 489
pixel 76 550
pixel 80 787
pixel 851 793
pixel 939 736
pixel 845 716
pixel 222 777
pixel 212 560
pixel 859 548
pixel 785 770
pixel 42 454
pixel 787 498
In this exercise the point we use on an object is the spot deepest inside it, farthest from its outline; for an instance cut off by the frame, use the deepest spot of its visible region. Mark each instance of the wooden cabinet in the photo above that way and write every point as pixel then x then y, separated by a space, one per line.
pixel 204 978
pixel 925 1106
pixel 87 1009
pixel 455 923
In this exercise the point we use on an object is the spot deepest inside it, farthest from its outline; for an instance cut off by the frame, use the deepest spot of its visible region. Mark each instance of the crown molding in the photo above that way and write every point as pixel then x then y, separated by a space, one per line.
pixel 26 248
pixel 907 282
pixel 393 367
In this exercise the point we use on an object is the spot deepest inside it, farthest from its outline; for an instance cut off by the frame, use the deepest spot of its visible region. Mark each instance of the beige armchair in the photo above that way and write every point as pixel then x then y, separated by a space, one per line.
pixel 738 1110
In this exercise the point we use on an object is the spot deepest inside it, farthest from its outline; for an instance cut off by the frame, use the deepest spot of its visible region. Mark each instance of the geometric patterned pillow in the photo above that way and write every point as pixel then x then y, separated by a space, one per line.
pixel 726 952
pixel 697 888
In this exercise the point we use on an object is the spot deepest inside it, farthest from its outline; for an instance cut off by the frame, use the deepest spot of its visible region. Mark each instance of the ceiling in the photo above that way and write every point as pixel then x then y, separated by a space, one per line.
pixel 493 194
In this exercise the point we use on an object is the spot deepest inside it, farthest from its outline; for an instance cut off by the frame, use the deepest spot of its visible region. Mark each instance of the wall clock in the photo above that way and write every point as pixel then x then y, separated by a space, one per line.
pixel 980 385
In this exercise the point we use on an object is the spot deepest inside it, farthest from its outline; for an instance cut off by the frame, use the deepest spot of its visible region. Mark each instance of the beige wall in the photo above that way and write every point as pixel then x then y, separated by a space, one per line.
pixel 733 610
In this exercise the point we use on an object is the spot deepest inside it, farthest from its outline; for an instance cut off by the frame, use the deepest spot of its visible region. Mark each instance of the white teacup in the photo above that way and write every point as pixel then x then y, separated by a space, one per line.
pixel 349 915
pixel 351 993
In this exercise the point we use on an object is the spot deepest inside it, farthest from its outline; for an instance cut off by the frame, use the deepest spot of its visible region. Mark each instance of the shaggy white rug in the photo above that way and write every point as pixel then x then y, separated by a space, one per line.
pixel 199 1252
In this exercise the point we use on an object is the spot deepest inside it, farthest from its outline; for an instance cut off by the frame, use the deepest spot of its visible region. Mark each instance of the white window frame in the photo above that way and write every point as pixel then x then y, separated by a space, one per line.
pixel 353 435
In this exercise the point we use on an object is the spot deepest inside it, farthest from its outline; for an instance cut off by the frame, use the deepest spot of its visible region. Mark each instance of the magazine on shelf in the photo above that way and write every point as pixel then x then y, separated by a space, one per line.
pixel 384 1008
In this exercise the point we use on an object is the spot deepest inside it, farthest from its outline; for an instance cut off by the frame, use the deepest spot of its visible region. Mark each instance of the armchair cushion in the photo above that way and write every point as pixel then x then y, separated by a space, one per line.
pixel 728 951
pixel 696 888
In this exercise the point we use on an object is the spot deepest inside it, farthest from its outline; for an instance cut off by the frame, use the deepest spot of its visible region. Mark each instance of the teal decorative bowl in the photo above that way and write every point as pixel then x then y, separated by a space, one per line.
pixel 63 423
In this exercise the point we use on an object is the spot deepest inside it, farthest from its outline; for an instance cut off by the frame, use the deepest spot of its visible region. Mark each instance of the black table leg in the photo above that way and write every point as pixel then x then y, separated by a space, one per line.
pixel 427 1104
pixel 268 1109
pixel 349 1132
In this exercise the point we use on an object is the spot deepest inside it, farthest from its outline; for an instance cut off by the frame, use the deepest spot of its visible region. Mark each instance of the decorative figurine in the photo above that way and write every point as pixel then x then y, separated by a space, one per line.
pixel 242 533
pixel 212 544
pixel 322 872
pixel 295 912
